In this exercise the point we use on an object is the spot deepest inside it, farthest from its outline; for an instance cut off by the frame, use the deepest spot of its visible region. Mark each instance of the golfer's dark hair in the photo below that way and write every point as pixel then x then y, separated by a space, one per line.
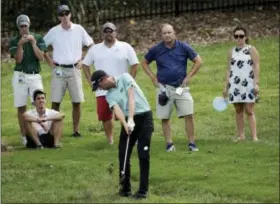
pixel 244 30
pixel 38 92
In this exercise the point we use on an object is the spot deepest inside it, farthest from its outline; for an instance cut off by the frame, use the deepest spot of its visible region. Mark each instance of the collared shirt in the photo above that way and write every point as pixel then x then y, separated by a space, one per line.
pixel 30 62
pixel 119 95
pixel 67 44
pixel 114 60
pixel 171 62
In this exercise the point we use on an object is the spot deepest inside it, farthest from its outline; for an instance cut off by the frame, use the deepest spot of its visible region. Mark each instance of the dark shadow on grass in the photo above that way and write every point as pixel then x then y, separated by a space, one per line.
pixel 211 141
pixel 21 148
pixel 98 146
pixel 115 197
pixel 97 128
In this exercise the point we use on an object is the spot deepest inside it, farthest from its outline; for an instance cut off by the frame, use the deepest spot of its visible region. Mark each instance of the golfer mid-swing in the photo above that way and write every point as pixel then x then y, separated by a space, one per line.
pixel 131 107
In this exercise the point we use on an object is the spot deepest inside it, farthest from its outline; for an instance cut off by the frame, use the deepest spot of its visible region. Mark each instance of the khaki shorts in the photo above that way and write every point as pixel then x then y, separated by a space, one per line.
pixel 24 85
pixel 70 78
pixel 183 103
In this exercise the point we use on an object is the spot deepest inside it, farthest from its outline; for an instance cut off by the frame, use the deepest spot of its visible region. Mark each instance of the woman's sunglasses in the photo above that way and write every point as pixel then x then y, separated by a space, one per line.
pixel 239 36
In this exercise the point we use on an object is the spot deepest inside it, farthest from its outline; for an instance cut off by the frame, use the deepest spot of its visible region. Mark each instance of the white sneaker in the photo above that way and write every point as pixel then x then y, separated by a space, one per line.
pixel 111 142
pixel 193 147
pixel 170 147
pixel 255 140
pixel 24 140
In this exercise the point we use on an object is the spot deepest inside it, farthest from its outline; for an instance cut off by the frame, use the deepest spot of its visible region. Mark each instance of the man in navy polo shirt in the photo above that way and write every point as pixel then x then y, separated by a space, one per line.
pixel 172 81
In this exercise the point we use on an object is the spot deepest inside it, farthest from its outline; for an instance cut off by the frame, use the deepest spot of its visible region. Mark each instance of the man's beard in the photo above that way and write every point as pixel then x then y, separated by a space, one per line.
pixel 109 39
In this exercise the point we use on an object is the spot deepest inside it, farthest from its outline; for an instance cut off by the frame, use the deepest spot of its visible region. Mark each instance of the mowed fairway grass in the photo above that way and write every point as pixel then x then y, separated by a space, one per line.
pixel 221 172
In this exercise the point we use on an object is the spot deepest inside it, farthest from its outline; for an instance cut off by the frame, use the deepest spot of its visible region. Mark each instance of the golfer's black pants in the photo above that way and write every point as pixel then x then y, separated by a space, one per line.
pixel 142 133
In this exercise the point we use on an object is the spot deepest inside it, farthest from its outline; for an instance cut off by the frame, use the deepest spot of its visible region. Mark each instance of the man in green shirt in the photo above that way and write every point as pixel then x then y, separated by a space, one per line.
pixel 26 48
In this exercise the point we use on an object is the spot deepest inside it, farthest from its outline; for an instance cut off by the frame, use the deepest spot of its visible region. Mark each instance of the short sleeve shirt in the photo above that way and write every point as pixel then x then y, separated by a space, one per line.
pixel 171 62
pixel 30 62
pixel 119 95
pixel 114 60
pixel 67 44
pixel 48 113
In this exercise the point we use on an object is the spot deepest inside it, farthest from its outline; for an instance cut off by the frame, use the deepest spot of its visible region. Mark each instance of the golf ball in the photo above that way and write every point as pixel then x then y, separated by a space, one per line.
pixel 145 148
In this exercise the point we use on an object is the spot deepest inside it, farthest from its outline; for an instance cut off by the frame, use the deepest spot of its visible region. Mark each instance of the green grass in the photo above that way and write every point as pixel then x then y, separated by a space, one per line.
pixel 221 172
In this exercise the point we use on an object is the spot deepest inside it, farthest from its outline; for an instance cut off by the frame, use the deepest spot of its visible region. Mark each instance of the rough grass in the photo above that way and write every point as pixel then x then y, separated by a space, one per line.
pixel 221 172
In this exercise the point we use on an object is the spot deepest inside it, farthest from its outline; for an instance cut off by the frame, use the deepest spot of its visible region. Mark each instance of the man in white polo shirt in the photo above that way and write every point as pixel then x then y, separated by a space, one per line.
pixel 67 40
pixel 115 58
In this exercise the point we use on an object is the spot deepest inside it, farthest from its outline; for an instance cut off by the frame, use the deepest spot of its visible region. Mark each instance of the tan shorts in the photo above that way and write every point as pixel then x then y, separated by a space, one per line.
pixel 24 85
pixel 183 103
pixel 70 78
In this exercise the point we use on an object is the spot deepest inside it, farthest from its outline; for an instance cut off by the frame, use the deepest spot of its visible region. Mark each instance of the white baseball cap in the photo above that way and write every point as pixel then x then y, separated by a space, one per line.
pixel 109 25
pixel 23 20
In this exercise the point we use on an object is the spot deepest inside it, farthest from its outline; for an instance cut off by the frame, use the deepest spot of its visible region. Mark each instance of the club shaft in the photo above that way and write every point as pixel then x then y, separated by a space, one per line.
pixel 125 156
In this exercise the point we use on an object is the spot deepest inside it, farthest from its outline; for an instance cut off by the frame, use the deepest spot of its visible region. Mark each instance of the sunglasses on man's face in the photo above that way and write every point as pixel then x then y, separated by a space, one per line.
pixel 23 26
pixel 108 31
pixel 64 14
pixel 239 36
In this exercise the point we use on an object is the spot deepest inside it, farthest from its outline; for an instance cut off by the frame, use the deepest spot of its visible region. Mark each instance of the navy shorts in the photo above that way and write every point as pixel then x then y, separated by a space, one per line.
pixel 47 140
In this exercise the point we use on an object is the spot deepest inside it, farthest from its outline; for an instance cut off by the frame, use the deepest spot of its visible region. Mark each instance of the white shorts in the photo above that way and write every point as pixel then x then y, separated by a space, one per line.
pixel 183 103
pixel 70 78
pixel 24 85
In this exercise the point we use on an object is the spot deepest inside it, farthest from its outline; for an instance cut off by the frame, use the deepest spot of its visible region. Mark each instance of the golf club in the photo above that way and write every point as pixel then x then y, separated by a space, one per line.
pixel 124 164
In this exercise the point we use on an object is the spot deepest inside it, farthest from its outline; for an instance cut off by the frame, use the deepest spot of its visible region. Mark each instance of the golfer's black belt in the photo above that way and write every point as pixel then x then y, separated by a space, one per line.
pixel 66 65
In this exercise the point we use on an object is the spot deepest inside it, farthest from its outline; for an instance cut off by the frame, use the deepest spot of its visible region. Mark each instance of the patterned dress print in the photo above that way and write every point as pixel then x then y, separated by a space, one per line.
pixel 241 76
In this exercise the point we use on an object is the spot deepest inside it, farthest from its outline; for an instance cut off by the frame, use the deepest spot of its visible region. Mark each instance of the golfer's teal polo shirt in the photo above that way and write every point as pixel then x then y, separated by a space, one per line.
pixel 119 95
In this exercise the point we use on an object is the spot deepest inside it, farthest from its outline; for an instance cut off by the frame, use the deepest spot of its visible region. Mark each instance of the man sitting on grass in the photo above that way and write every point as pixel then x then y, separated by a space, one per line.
pixel 43 125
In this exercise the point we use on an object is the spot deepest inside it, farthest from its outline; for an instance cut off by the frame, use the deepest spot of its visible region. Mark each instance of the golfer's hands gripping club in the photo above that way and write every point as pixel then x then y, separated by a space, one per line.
pixel 130 125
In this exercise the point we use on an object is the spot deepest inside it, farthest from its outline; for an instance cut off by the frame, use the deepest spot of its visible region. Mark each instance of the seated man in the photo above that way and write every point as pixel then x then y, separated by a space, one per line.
pixel 43 125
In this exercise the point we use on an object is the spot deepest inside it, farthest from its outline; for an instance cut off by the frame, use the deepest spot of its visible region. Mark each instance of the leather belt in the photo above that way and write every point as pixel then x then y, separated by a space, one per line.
pixel 66 65
pixel 33 72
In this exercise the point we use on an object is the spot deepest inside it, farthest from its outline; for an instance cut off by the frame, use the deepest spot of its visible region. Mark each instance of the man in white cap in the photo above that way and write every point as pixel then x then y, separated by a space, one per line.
pixel 67 40
pixel 115 58
pixel 26 49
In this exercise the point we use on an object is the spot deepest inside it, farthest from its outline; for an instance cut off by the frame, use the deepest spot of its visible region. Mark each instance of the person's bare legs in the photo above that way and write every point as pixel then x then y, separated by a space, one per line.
pixel 20 112
pixel 189 127
pixel 239 113
pixel 56 130
pixel 249 109
pixel 108 129
pixel 76 115
pixel 31 131
pixel 166 128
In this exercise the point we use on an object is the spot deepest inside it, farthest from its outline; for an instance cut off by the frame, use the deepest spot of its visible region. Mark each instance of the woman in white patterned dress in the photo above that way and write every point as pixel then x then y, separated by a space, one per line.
pixel 242 81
